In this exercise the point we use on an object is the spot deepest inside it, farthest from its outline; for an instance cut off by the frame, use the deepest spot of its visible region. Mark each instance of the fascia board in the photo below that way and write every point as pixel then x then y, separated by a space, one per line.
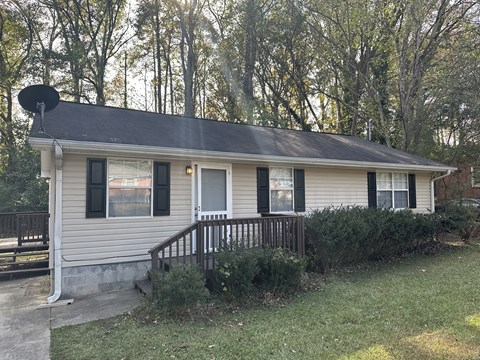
pixel 83 147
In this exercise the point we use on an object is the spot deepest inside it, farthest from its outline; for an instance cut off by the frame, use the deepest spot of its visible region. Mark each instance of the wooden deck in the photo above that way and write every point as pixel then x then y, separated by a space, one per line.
pixel 168 263
pixel 197 243
pixel 31 227
pixel 24 244
pixel 27 259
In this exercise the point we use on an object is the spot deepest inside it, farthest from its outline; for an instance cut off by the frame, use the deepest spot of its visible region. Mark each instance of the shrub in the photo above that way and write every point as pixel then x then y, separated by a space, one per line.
pixel 337 235
pixel 240 271
pixel 236 269
pixel 181 287
pixel 280 271
pixel 347 235
pixel 461 219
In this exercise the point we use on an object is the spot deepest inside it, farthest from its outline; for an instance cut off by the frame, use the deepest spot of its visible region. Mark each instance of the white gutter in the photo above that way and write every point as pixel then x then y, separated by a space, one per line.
pixel 84 147
pixel 432 188
pixel 57 239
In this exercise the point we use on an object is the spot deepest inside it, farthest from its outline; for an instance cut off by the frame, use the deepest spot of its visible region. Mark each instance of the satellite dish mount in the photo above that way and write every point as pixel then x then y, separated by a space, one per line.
pixel 39 99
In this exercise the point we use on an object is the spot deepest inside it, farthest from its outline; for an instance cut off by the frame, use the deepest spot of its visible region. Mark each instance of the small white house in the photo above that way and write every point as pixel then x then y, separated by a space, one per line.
pixel 122 181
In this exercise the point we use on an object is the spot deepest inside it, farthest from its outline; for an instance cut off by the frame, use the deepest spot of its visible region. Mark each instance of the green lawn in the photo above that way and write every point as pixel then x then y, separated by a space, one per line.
pixel 418 308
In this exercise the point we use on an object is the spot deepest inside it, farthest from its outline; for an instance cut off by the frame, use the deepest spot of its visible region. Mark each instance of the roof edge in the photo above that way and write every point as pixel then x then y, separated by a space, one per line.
pixel 125 149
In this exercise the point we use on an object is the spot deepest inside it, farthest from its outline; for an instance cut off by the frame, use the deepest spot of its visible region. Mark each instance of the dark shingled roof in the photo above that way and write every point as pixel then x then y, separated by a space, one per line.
pixel 91 123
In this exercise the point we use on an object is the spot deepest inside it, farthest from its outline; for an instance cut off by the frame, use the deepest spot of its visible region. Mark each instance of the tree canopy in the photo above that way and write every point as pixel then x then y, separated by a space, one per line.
pixel 407 67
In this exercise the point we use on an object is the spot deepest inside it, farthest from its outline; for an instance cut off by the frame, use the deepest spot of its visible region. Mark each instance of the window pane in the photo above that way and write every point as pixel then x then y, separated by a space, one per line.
pixel 115 172
pixel 401 199
pixel 384 199
pixel 400 181
pixel 281 178
pixel 384 181
pixel 129 202
pixel 129 173
pixel 282 200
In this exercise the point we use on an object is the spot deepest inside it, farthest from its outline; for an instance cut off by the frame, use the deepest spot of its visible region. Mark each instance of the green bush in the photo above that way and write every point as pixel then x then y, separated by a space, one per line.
pixel 181 287
pixel 236 268
pixel 280 271
pixel 241 271
pixel 461 219
pixel 348 235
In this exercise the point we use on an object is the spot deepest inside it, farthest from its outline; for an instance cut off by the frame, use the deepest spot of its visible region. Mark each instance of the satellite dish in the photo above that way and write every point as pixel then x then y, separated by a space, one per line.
pixel 39 99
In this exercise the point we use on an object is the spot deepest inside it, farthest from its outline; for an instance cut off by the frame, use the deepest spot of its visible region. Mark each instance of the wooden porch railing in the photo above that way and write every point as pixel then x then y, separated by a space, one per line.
pixel 197 243
pixel 26 227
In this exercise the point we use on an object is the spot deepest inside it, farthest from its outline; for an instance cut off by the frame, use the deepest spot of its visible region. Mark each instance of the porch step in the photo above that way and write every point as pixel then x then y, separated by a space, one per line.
pixel 33 271
pixel 16 255
pixel 23 260
pixel 26 262
pixel 22 249
pixel 144 286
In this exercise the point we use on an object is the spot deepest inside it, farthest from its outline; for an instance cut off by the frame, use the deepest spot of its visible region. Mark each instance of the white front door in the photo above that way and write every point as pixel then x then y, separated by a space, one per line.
pixel 213 197
pixel 214 193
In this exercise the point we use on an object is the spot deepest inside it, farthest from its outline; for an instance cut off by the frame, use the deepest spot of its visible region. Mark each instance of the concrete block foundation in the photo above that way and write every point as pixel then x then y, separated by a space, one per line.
pixel 85 280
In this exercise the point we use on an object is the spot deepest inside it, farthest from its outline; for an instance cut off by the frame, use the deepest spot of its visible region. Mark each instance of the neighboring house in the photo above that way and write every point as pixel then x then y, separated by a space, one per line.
pixel 464 183
pixel 123 180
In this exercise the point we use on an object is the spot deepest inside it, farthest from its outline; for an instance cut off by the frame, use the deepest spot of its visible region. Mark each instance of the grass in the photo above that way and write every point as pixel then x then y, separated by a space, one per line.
pixel 422 307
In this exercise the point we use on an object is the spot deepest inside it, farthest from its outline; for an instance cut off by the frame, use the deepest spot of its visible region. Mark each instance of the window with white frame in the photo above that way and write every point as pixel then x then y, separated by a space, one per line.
pixel 281 189
pixel 475 176
pixel 392 190
pixel 129 188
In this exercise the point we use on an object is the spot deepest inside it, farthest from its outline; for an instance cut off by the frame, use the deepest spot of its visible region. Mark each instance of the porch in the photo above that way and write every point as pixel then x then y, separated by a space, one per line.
pixel 24 243
pixel 198 243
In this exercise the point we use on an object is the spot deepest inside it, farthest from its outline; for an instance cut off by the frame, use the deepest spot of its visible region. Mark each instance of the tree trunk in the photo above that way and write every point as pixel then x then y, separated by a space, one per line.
pixel 188 57
pixel 8 135
pixel 249 59
pixel 158 57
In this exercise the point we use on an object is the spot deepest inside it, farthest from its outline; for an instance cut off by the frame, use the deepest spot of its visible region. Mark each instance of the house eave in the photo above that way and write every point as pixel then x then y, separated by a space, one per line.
pixel 83 147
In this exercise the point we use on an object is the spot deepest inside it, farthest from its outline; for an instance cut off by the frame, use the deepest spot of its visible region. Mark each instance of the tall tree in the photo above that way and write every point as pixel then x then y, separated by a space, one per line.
pixel 93 32
pixel 346 34
pixel 451 86
pixel 44 59
pixel 150 30
pixel 16 40
pixel 189 15
pixel 285 63
pixel 418 28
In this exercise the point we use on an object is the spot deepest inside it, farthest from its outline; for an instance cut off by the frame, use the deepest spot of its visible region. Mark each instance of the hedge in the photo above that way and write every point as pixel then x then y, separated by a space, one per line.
pixel 345 235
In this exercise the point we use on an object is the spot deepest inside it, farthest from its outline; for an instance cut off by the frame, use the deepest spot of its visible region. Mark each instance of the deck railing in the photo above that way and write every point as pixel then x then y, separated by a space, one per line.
pixel 26 227
pixel 198 242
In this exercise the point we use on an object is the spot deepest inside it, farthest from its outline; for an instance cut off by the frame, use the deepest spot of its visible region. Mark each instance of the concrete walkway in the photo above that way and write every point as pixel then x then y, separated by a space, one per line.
pixel 25 329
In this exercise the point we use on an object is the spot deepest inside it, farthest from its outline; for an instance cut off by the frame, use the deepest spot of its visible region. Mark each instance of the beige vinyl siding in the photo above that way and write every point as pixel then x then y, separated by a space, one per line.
pixel 423 192
pixel 244 191
pixel 324 187
pixel 99 241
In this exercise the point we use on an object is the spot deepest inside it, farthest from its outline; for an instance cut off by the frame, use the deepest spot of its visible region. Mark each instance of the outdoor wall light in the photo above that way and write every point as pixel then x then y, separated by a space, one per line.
pixel 189 170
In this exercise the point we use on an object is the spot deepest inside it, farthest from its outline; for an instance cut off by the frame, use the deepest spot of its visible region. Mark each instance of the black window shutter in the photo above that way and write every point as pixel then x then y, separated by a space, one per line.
pixel 412 191
pixel 96 188
pixel 372 189
pixel 299 189
pixel 263 190
pixel 161 189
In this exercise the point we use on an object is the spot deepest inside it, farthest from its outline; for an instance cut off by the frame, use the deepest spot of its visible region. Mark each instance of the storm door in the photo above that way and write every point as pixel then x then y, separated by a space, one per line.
pixel 213 189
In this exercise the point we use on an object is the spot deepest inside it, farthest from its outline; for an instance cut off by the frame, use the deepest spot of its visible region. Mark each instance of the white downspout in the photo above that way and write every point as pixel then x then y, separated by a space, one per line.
pixel 432 188
pixel 57 239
